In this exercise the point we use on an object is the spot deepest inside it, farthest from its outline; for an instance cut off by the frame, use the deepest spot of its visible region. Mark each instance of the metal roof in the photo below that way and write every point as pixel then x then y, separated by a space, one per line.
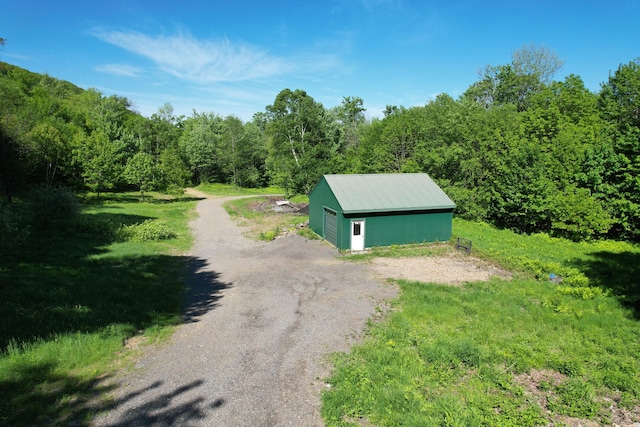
pixel 360 193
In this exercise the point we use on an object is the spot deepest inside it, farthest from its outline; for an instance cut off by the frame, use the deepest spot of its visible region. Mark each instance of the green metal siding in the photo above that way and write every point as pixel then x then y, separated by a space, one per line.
pixel 407 228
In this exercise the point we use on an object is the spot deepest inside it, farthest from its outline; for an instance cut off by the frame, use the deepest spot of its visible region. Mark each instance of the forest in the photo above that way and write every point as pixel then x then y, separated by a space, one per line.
pixel 518 149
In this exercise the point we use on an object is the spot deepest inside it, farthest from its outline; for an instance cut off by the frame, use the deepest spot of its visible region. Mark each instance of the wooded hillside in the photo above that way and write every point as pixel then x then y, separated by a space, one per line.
pixel 517 149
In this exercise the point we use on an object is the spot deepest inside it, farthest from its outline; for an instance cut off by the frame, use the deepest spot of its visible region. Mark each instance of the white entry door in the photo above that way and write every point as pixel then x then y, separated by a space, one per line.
pixel 357 235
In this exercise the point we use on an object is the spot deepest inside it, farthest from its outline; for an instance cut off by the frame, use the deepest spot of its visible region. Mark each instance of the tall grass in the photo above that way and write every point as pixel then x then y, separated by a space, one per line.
pixel 524 352
pixel 73 294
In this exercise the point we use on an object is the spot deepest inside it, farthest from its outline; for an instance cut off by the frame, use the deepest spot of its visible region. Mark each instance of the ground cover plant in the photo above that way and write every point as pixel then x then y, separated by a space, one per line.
pixel 523 352
pixel 75 289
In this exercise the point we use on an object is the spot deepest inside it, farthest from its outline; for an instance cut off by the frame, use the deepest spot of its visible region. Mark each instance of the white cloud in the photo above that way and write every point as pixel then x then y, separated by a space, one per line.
pixel 16 56
pixel 204 61
pixel 119 70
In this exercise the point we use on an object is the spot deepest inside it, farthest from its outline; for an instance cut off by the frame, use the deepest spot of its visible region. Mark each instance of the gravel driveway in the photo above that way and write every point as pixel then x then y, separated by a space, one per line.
pixel 260 319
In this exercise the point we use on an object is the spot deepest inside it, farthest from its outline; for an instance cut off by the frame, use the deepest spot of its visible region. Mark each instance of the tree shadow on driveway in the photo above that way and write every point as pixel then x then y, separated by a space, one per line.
pixel 203 289
pixel 166 409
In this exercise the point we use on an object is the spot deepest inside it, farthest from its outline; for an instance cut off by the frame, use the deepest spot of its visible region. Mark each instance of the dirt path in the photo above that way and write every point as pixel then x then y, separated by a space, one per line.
pixel 260 320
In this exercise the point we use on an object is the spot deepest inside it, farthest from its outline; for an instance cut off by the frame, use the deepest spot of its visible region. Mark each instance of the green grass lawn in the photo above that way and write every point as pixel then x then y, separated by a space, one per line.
pixel 524 352
pixel 74 294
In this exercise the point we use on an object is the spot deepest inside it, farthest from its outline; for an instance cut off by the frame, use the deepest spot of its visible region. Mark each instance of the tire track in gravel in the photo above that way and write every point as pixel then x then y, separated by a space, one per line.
pixel 260 319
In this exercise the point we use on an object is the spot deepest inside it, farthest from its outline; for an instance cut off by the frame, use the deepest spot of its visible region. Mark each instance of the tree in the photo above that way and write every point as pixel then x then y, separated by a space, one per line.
pixel 102 159
pixel 577 215
pixel 351 116
pixel 252 155
pixel 11 166
pixel 199 144
pixel 232 139
pixel 299 151
pixel 530 70
pixel 619 105
pixel 140 171
pixel 538 61
pixel 159 132
pixel 173 173
pixel 48 145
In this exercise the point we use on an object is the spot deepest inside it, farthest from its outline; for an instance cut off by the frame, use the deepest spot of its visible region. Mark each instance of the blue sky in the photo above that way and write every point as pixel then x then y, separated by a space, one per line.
pixel 234 56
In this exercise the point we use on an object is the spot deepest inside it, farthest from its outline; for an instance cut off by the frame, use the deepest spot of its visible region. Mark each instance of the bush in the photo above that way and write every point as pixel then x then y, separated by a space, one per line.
pixel 90 225
pixel 13 232
pixel 148 230
pixel 53 206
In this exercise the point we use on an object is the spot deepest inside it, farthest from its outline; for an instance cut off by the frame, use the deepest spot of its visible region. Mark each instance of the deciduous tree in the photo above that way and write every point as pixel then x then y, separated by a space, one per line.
pixel 299 150
pixel 141 172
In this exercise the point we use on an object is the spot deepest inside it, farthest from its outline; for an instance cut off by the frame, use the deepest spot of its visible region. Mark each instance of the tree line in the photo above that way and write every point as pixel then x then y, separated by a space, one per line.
pixel 517 148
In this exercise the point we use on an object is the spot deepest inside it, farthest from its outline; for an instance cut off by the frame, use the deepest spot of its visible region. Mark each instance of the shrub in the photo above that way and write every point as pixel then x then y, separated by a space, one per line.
pixel 13 232
pixel 90 225
pixel 148 230
pixel 53 206
pixel 542 269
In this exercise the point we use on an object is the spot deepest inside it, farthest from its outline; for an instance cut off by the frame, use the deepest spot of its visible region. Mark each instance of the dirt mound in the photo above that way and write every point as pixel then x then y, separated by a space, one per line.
pixel 280 205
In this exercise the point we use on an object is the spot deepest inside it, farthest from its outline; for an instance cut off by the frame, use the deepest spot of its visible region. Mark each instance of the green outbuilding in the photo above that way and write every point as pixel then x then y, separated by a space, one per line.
pixel 365 210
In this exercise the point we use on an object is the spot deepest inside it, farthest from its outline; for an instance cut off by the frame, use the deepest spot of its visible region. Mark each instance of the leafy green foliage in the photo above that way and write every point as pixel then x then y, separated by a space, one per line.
pixel 147 230
pixel 53 207
pixel 14 231
pixel 141 172
pixel 300 148
pixel 518 149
